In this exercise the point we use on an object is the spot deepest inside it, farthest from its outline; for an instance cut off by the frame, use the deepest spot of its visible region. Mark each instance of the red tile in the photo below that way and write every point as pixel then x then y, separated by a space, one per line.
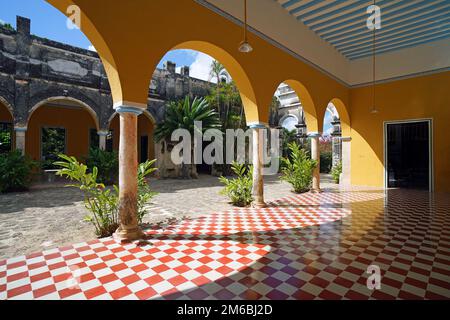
pixel 95 292
pixel 18 291
pixel 44 291
pixel 120 293
pixel 146 293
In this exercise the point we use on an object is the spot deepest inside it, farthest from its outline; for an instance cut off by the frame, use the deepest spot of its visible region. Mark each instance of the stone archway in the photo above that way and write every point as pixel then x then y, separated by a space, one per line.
pixel 6 126
pixel 74 119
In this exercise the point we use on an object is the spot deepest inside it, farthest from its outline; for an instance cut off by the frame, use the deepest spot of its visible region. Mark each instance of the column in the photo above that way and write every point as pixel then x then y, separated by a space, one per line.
pixel 345 178
pixel 20 138
pixel 315 155
pixel 258 154
pixel 102 134
pixel 128 161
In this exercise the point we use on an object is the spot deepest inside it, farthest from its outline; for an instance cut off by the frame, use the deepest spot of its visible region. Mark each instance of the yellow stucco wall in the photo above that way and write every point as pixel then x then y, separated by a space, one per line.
pixel 145 128
pixel 77 123
pixel 413 98
pixel 131 49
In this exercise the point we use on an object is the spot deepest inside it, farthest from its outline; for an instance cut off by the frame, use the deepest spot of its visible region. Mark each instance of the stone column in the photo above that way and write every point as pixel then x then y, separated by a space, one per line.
pixel 102 134
pixel 258 154
pixel 128 161
pixel 20 138
pixel 345 178
pixel 315 155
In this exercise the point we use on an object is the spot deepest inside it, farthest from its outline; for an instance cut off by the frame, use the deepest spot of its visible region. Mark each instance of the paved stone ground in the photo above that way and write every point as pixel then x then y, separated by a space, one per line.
pixel 51 216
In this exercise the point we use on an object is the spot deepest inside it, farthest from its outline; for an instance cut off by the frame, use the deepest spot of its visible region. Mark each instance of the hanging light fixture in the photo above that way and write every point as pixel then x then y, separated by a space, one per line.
pixel 374 108
pixel 244 46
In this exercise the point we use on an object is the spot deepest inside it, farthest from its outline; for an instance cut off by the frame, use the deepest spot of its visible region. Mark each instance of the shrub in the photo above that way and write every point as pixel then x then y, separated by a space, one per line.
pixel 106 162
pixel 325 162
pixel 239 189
pixel 101 202
pixel 298 169
pixel 15 171
pixel 336 172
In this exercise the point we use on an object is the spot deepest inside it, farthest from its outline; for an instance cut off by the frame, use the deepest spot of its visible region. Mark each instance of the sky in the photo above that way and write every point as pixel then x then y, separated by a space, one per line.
pixel 48 22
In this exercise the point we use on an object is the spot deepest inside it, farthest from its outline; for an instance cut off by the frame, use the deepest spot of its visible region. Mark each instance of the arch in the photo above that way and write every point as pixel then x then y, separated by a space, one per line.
pixel 236 72
pixel 344 116
pixel 59 98
pixel 8 107
pixel 307 103
pixel 285 117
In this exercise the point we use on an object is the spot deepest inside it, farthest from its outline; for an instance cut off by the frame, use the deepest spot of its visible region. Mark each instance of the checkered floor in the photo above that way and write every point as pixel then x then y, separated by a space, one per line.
pixel 310 246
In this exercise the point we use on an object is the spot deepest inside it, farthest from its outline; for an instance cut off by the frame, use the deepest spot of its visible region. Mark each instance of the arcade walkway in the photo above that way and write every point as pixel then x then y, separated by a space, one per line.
pixel 310 246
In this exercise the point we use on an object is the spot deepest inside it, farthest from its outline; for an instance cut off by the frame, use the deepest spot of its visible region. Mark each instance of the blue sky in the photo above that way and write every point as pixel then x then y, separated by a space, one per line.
pixel 48 22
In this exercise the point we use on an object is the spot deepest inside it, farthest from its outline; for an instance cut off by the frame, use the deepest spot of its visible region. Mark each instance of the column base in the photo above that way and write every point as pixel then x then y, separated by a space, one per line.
pixel 127 235
pixel 316 191
pixel 258 205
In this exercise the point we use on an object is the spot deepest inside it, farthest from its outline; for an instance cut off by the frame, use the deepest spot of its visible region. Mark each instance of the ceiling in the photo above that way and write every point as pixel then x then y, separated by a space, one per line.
pixel 342 23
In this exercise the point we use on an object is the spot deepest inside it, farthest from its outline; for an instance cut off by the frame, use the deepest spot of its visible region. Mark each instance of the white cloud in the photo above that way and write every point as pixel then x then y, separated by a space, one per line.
pixel 200 67
pixel 2 22
pixel 92 48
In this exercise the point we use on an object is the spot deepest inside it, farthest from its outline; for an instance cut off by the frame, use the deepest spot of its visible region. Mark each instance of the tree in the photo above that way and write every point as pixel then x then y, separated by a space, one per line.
pixel 182 115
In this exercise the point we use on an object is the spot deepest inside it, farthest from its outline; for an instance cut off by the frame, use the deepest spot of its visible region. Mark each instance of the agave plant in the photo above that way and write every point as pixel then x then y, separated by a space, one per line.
pixel 183 115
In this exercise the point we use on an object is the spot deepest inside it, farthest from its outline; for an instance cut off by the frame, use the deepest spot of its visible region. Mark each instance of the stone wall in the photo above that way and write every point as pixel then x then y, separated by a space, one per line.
pixel 34 70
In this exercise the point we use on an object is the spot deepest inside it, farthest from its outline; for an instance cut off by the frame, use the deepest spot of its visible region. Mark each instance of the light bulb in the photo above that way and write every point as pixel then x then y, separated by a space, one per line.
pixel 245 47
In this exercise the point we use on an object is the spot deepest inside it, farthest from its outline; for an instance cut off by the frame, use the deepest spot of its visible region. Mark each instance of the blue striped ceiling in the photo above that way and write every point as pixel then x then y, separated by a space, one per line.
pixel 342 23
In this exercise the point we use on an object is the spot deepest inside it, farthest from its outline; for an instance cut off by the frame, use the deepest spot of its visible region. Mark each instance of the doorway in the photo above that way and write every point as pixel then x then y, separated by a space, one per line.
pixel 144 149
pixel 408 154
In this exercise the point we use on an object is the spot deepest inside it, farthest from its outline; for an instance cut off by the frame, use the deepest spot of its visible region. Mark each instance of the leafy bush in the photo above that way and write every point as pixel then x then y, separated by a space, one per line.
pixel 298 169
pixel 100 201
pixel 103 203
pixel 336 172
pixel 239 189
pixel 106 162
pixel 326 160
pixel 15 171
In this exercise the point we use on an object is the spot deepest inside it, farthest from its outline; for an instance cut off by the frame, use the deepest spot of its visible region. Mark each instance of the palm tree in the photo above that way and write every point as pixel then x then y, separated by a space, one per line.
pixel 182 115
pixel 217 70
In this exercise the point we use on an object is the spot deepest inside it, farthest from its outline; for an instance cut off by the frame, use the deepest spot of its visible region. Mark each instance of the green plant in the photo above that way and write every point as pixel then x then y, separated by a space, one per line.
pixel 106 162
pixel 101 202
pixel 15 171
pixel 326 160
pixel 183 115
pixel 239 189
pixel 298 168
pixel 144 191
pixel 336 172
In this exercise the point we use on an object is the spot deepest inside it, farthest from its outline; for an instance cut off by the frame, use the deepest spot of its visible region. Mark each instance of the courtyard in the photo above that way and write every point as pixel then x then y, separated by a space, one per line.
pixel 51 215
pixel 298 150
pixel 308 246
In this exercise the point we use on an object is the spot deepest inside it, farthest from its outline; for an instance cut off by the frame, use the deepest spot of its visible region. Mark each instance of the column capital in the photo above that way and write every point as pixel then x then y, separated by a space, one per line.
pixel 102 132
pixel 20 129
pixel 258 125
pixel 313 134
pixel 129 107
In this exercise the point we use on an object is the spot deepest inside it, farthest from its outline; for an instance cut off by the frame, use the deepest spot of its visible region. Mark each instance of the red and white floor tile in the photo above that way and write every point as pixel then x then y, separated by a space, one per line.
pixel 310 246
